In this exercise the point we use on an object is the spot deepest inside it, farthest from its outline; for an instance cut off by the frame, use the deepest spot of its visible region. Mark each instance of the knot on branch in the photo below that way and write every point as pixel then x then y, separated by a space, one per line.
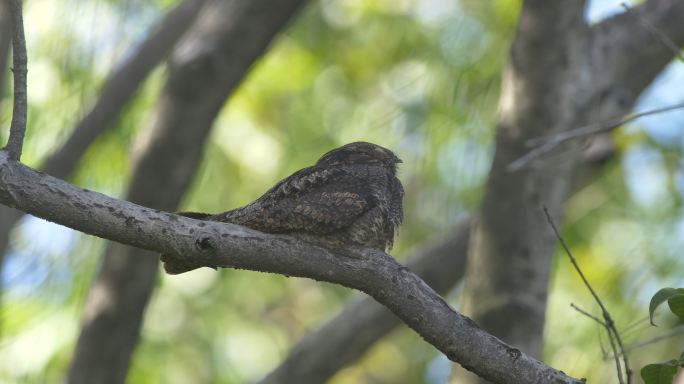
pixel 204 243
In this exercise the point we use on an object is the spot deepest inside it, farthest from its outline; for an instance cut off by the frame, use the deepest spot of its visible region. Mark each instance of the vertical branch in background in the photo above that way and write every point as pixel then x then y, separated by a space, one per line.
pixel 5 44
pixel 608 323
pixel 203 70
pixel 18 127
pixel 121 86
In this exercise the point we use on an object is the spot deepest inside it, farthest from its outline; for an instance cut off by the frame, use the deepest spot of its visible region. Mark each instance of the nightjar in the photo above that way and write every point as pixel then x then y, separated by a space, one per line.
pixel 351 196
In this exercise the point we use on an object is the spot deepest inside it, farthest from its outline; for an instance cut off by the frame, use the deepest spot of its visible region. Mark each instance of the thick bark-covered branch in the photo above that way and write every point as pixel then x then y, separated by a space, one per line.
pixel 115 306
pixel 341 341
pixel 226 245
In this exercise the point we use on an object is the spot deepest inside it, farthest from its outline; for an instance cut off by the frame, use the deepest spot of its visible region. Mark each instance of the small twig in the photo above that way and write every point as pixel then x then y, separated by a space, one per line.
pixel 641 344
pixel 18 127
pixel 610 339
pixel 587 314
pixel 658 33
pixel 609 324
pixel 546 144
pixel 635 325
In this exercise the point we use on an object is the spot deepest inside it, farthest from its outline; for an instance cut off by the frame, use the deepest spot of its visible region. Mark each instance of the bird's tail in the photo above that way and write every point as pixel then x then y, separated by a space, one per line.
pixel 172 265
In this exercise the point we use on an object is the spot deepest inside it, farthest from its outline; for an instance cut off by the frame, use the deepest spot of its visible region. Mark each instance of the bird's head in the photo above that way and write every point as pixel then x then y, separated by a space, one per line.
pixel 361 153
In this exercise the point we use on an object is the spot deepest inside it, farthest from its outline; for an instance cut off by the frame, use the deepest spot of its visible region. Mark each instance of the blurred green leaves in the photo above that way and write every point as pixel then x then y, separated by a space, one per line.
pixel 418 76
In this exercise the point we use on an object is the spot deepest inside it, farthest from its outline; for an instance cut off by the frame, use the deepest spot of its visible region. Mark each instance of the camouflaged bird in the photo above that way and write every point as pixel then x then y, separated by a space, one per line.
pixel 351 196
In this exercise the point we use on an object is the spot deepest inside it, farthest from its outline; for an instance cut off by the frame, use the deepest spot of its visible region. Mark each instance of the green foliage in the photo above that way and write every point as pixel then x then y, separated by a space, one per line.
pixel 674 298
pixel 664 373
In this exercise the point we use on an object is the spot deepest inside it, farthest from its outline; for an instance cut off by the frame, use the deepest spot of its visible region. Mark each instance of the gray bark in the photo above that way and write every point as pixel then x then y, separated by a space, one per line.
pixel 341 341
pixel 231 246
pixel 224 44
pixel 561 74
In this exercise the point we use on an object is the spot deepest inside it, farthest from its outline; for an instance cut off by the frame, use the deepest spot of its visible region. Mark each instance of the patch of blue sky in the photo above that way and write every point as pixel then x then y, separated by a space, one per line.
pixel 645 172
pixel 646 176
pixel 40 253
pixel 665 128
pixel 598 10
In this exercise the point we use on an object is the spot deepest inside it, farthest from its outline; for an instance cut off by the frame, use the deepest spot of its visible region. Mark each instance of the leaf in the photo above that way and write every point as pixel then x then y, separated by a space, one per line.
pixel 676 304
pixel 660 297
pixel 662 373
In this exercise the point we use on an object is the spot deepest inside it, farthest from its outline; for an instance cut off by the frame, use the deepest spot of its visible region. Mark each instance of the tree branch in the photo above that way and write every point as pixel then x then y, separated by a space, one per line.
pixel 627 55
pixel 660 35
pixel 345 338
pixel 18 127
pixel 231 246
pixel 546 144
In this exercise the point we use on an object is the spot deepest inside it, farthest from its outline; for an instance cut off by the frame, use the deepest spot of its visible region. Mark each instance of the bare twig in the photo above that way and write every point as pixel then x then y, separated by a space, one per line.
pixel 611 340
pixel 676 332
pixel 546 144
pixel 18 127
pixel 589 315
pixel 609 324
pixel 659 34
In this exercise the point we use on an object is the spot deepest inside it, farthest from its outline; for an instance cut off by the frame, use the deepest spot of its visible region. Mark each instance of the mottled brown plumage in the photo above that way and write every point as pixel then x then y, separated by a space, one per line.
pixel 351 196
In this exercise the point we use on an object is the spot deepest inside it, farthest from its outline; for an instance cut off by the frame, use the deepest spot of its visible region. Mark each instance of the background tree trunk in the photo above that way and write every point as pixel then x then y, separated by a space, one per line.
pixel 560 75
pixel 226 40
